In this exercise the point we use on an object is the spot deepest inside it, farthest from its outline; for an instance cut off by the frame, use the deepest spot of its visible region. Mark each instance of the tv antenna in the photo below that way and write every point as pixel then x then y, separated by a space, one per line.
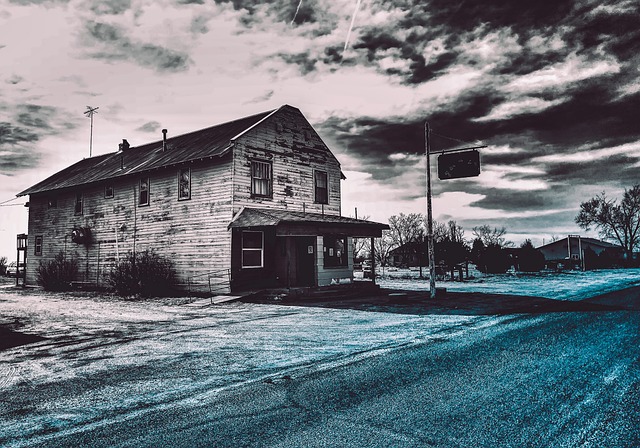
pixel 90 112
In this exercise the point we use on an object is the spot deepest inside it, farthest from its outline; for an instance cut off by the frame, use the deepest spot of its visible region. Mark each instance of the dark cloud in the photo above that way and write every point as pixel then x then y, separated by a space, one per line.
pixel 199 25
pixel 116 46
pixel 150 126
pixel 111 7
pixel 29 124
pixel 14 79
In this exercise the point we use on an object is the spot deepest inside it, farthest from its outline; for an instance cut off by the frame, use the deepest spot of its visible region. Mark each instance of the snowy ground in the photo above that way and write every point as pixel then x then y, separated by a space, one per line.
pixel 106 358
pixel 567 285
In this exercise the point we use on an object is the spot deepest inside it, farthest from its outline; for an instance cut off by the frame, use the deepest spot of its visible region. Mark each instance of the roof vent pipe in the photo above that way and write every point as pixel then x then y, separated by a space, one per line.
pixel 164 140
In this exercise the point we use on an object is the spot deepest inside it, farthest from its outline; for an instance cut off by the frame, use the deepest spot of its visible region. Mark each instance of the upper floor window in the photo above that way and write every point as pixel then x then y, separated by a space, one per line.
pixel 37 247
pixel 143 198
pixel 321 187
pixel 260 178
pixel 78 209
pixel 184 184
pixel 108 191
pixel 252 249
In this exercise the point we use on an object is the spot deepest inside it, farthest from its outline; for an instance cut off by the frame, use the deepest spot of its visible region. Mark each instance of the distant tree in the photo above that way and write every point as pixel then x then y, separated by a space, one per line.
pixel 382 247
pixel 554 238
pixel 492 237
pixel 530 259
pixel 3 265
pixel 617 222
pixel 477 249
pixel 361 246
pixel 494 260
pixel 406 228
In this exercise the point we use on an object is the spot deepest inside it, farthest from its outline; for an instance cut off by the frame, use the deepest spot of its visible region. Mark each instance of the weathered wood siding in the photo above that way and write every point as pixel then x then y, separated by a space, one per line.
pixel 192 233
pixel 290 143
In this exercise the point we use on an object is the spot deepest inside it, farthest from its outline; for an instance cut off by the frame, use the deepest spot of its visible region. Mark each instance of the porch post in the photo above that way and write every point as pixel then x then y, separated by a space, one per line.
pixel 373 261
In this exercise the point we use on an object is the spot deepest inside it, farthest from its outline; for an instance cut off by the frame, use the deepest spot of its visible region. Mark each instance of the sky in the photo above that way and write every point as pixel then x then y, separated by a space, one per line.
pixel 551 87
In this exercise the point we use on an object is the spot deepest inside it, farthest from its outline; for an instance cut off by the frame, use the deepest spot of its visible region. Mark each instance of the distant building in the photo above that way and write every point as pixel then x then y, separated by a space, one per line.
pixel 409 254
pixel 250 203
pixel 570 252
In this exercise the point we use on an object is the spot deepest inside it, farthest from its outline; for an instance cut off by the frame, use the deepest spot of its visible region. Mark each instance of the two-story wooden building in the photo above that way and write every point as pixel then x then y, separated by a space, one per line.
pixel 251 203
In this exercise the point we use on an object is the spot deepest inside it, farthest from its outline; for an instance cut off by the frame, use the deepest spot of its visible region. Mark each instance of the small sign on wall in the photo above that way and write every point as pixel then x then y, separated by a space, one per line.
pixel 309 249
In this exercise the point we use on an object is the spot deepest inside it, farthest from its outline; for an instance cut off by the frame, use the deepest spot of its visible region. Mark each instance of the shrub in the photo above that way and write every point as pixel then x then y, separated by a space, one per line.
pixel 57 274
pixel 144 274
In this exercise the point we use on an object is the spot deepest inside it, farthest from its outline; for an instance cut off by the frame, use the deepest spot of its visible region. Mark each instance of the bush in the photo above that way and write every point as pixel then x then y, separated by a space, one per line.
pixel 143 274
pixel 57 274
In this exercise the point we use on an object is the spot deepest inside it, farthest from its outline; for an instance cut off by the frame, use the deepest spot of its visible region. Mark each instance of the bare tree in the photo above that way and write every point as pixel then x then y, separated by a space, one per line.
pixel 618 222
pixel 361 246
pixel 382 248
pixel 492 237
pixel 406 228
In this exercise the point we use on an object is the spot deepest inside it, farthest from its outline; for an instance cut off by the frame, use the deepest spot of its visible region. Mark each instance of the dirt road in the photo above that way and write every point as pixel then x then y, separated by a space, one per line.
pixel 562 379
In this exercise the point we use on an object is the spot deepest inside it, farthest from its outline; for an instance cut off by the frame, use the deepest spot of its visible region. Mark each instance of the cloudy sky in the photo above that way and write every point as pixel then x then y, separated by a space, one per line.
pixel 551 87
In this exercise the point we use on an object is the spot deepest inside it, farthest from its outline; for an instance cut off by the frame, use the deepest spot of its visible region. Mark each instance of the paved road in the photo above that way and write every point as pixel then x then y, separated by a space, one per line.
pixel 568 379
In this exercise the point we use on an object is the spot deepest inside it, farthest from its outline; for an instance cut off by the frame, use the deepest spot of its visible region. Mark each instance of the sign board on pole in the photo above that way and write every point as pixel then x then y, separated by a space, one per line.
pixel 459 164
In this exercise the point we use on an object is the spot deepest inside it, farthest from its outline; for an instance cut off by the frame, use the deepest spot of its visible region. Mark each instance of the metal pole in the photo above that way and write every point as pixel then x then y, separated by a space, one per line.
pixel 91 137
pixel 432 264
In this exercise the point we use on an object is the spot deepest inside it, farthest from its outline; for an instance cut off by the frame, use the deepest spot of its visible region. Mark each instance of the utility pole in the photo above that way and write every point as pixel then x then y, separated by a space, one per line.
pixel 89 113
pixel 432 263
pixel 428 153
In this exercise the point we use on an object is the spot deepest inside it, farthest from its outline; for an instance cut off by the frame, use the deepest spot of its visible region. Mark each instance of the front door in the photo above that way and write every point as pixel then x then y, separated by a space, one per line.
pixel 305 261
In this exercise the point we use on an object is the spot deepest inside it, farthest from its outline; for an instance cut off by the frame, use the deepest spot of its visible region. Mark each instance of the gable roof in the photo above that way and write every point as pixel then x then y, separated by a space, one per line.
pixel 208 143
pixel 262 217
pixel 584 239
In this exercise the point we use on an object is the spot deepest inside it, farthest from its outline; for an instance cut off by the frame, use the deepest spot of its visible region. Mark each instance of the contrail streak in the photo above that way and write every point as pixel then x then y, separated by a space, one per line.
pixel 353 19
pixel 296 14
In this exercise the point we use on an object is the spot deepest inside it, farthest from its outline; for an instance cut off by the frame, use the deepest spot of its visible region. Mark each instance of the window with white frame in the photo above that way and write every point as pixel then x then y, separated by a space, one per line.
pixel 252 249
pixel 108 192
pixel 260 178
pixel 184 184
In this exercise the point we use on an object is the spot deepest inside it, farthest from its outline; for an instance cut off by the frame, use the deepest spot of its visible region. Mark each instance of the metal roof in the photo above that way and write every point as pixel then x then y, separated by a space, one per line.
pixel 211 142
pixel 262 217
pixel 584 239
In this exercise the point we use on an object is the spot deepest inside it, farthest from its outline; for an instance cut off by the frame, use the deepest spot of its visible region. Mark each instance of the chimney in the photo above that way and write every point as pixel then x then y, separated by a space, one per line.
pixel 124 145
pixel 164 140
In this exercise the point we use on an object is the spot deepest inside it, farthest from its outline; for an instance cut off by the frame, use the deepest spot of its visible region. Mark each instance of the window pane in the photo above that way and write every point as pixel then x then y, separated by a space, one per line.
pixel 251 258
pixel 322 194
pixel 260 178
pixel 252 240
pixel 184 187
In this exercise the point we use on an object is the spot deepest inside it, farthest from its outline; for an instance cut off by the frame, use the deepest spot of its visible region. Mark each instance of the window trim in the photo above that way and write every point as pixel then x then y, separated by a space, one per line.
pixel 78 208
pixel 188 196
pixel 269 179
pixel 148 191
pixel 106 195
pixel 254 249
pixel 37 245
pixel 315 186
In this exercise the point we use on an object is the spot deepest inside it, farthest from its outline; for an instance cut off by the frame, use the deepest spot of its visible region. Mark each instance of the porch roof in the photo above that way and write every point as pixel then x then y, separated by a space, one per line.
pixel 294 223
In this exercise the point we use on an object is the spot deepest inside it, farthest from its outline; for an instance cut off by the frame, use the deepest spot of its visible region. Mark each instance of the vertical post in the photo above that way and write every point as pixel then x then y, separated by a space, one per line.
pixel 432 264
pixel 91 136
pixel 373 261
